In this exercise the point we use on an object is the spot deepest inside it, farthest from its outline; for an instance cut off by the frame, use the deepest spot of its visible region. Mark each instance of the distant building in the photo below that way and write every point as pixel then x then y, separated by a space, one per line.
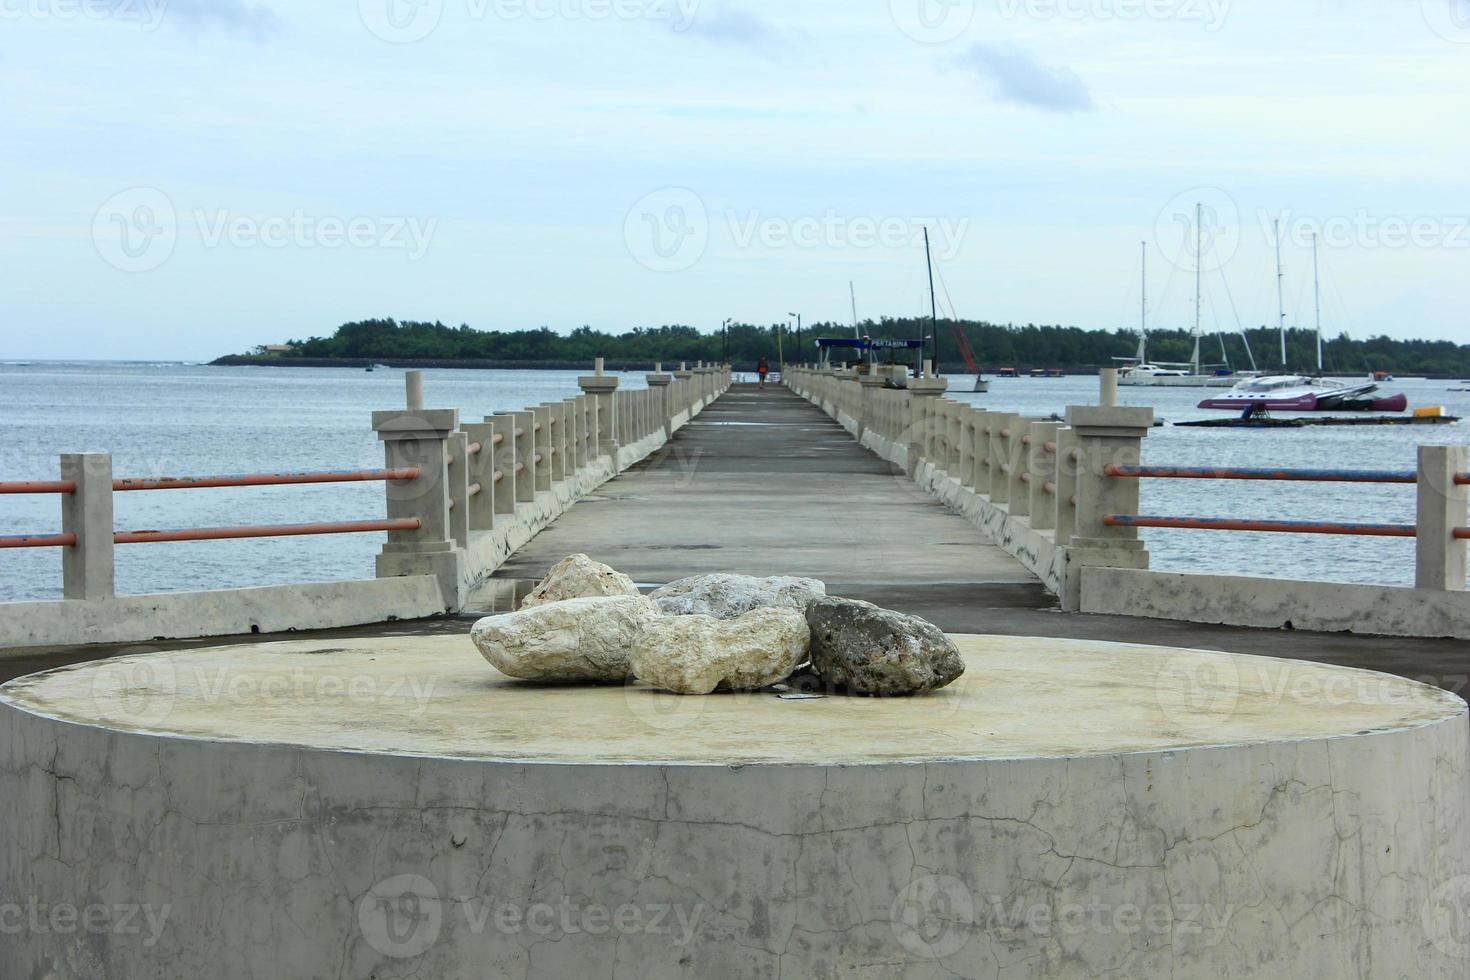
pixel 278 348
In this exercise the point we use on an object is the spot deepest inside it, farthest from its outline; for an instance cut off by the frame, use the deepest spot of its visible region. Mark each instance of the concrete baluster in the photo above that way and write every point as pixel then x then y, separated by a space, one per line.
pixel 1018 446
pixel 1066 480
pixel 87 570
pixel 413 390
pixel 525 464
pixel 999 456
pixel 459 488
pixel 660 384
pixel 420 440
pixel 603 392
pixel 1443 506
pixel 481 470
pixel 504 462
pixel 542 455
pixel 1042 465
pixel 979 442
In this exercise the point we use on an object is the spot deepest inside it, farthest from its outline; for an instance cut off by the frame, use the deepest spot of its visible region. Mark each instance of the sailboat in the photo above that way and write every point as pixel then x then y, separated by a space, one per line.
pixel 981 384
pixel 1139 372
pixel 1298 392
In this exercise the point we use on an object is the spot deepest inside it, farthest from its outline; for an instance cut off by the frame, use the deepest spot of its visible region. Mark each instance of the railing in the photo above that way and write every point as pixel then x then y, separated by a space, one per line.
pixel 1440 528
pixel 448 483
pixel 1072 487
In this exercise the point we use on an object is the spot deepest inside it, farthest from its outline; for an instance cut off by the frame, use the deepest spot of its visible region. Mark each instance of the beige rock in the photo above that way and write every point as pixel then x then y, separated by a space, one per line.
pixel 573 640
pixel 726 596
pixel 697 654
pixel 579 577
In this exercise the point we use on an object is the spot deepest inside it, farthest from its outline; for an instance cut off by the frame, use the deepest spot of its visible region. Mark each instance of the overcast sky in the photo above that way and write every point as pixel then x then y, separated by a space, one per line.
pixel 189 178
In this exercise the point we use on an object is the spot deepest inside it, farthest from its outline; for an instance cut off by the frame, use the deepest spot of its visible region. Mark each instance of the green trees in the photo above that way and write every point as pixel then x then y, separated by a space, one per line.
pixel 995 345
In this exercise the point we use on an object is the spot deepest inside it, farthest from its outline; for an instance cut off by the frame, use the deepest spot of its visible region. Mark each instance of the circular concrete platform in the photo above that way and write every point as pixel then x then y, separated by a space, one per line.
pixel 395 807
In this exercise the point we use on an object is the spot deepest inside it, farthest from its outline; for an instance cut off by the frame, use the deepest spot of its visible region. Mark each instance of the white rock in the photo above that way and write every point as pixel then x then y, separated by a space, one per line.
pixel 697 654
pixel 579 577
pixel 729 596
pixel 575 640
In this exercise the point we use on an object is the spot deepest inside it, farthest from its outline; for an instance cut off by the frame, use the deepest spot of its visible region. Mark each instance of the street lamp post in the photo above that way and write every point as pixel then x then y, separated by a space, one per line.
pixel 798 334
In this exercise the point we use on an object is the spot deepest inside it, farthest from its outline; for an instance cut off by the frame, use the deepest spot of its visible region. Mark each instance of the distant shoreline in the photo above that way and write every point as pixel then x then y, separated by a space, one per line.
pixel 362 363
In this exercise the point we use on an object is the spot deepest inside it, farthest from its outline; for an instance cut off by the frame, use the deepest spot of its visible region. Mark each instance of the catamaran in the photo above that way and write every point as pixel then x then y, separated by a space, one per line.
pixel 1298 392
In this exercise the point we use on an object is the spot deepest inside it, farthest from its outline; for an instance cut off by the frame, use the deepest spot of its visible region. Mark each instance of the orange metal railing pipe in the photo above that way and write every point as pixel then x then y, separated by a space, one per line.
pixel 38 486
pixel 265 479
pixel 39 541
pixel 265 531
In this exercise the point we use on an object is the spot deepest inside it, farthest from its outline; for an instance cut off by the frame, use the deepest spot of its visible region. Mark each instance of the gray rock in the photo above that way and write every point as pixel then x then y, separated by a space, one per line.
pixel 573 640
pixel 868 650
pixel 698 654
pixel 579 577
pixel 732 596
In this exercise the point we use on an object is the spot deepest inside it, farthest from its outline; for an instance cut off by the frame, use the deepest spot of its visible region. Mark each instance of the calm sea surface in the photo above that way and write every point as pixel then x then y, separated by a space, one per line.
pixel 171 419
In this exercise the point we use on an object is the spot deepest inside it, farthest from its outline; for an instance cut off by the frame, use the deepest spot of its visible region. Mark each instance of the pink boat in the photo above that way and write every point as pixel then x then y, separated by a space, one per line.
pixel 1297 393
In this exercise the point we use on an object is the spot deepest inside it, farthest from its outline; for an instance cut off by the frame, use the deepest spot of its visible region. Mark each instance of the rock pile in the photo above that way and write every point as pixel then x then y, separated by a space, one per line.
pixel 586 622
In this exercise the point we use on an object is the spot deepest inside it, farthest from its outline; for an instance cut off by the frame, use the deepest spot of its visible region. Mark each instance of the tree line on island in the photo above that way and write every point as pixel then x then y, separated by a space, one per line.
pixel 995 345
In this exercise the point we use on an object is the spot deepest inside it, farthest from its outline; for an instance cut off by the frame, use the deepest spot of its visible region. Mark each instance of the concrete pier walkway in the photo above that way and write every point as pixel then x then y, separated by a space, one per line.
pixel 763 483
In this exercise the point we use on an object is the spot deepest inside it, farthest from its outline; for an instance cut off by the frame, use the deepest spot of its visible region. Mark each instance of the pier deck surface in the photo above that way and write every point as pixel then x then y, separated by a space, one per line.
pixel 764 483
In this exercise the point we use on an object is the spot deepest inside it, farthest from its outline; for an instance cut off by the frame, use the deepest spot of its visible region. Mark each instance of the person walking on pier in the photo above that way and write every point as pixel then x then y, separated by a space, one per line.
pixel 763 369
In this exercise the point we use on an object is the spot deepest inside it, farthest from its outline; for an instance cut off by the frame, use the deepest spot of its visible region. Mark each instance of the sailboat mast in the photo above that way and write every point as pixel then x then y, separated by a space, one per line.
pixel 852 292
pixel 1143 310
pixel 933 302
pixel 1280 294
pixel 1199 263
pixel 1317 293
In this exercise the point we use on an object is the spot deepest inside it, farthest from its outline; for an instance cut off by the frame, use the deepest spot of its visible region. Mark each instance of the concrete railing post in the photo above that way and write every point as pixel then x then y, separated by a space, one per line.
pixel 525 465
pixel 421 440
pixel 659 384
pixel 87 570
pixel 1066 480
pixel 459 488
pixel 543 454
pixel 1107 395
pixel 602 391
pixel 1042 465
pixel 481 470
pixel 870 390
pixel 413 390
pixel 998 456
pixel 1018 494
pixel 1443 506
pixel 1104 437
pixel 923 398
pixel 978 447
pixel 504 462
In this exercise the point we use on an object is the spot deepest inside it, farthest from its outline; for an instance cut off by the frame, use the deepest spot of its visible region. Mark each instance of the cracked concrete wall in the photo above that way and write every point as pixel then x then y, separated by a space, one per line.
pixel 1313 860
